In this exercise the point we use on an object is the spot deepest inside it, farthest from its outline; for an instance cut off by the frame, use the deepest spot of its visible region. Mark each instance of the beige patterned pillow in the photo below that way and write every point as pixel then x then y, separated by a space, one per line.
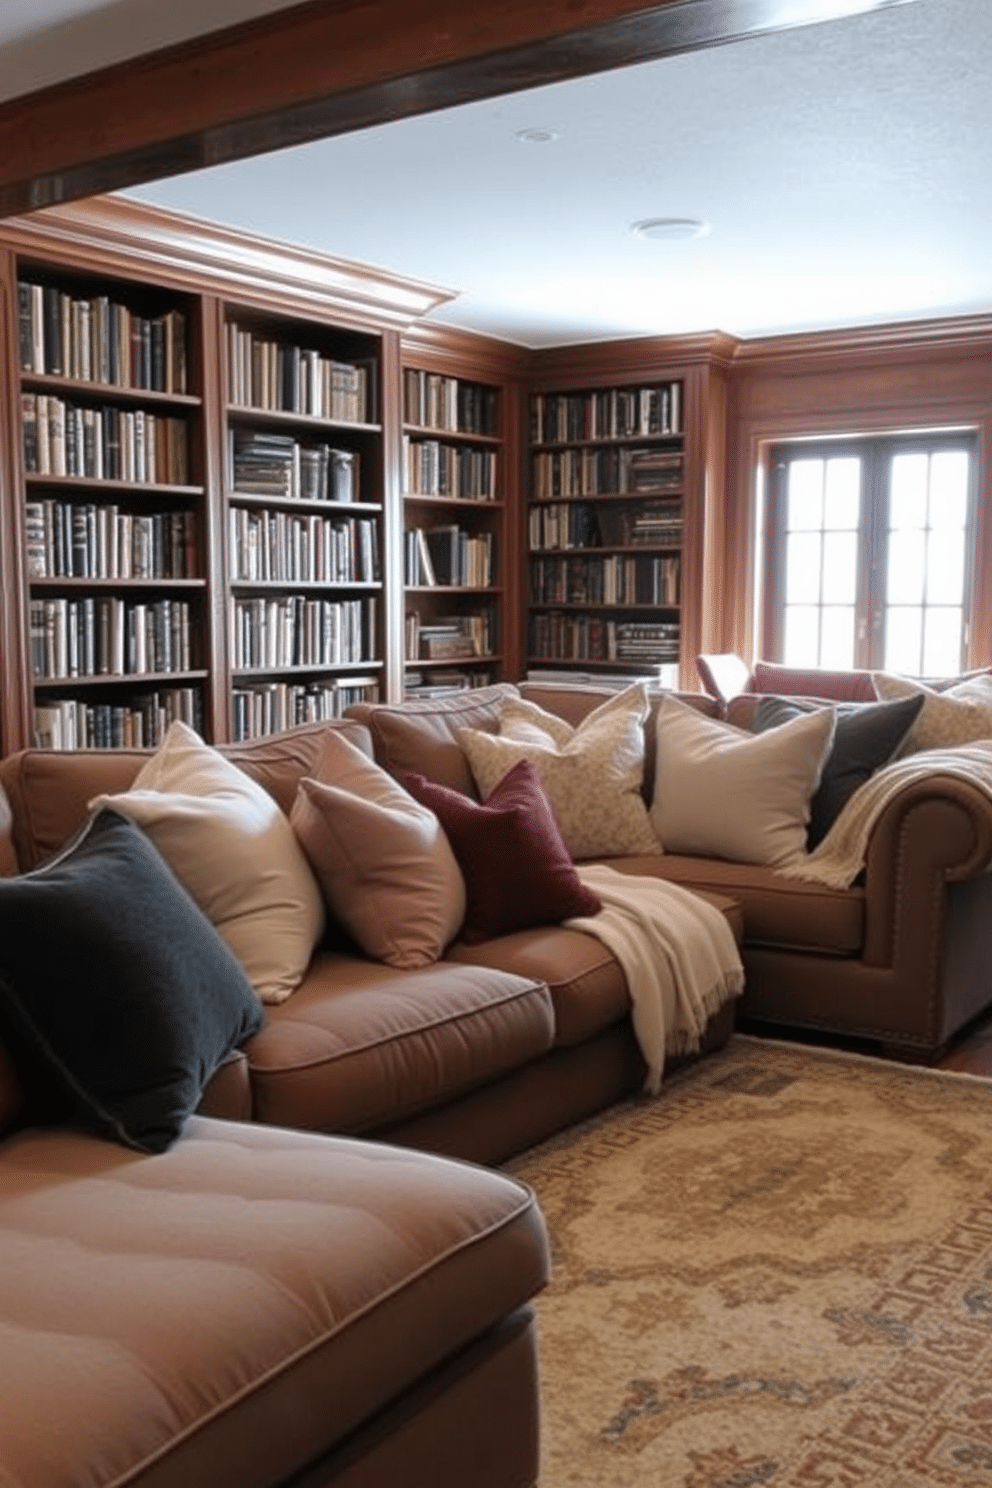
pixel 591 773
pixel 955 715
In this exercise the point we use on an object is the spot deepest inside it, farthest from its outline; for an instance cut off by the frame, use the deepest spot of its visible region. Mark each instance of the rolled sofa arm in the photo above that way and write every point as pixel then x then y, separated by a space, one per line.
pixel 933 832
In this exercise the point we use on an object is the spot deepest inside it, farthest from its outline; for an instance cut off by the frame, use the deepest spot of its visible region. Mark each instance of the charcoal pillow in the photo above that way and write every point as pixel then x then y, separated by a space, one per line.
pixel 866 736
pixel 118 998
pixel 517 869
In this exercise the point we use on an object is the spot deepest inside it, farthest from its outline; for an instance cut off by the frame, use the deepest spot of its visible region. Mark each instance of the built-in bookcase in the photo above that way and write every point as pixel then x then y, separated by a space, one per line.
pixel 606 524
pixel 304 507
pixel 454 494
pixel 110 433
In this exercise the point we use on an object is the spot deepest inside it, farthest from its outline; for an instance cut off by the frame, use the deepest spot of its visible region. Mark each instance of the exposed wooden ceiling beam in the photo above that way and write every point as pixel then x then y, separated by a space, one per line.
pixel 330 66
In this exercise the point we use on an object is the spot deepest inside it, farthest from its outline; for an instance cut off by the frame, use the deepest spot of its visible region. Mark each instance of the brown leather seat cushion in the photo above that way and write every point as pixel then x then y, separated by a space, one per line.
pixel 783 912
pixel 588 988
pixel 359 1043
pixel 224 1312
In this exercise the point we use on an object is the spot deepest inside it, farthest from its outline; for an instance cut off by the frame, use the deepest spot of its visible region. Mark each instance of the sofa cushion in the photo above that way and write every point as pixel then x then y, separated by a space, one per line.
pixel 588 988
pixel 226 1312
pixel 421 735
pixel 233 849
pixel 360 1045
pixel 591 772
pixel 782 912
pixel 118 997
pixel 725 793
pixel 866 736
pixel 516 867
pixel 384 863
pixel 951 715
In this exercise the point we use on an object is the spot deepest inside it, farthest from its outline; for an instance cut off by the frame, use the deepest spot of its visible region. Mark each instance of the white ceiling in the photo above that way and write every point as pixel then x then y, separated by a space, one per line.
pixel 843 169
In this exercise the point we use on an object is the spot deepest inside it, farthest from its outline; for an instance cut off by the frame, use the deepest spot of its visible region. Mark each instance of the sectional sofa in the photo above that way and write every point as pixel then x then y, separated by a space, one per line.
pixel 304 1288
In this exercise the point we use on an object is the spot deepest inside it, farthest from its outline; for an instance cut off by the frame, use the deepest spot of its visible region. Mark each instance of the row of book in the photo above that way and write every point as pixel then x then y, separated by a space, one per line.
pixel 564 636
pixel 139 723
pixel 435 684
pixel 607 413
pixel 281 377
pixel 103 443
pixel 264 464
pixel 436 402
pixel 600 472
pixel 434 469
pixel 618 524
pixel 104 636
pixel 291 631
pixel 97 339
pixel 76 540
pixel 279 546
pixel 270 707
pixel 609 579
pixel 447 556
pixel 449 637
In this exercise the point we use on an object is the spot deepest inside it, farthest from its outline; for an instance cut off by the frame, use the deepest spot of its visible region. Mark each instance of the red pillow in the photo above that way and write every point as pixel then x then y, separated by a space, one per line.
pixel 516 867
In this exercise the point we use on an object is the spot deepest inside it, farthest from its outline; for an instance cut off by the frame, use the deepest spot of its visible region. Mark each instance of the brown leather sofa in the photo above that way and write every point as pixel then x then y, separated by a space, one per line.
pixel 901 958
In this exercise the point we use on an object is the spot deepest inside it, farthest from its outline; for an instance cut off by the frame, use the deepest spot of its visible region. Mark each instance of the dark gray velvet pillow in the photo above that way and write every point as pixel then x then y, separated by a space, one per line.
pixel 118 998
pixel 866 736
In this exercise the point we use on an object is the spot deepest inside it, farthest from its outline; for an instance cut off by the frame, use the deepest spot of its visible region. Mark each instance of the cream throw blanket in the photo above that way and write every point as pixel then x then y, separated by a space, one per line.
pixel 677 952
pixel 840 857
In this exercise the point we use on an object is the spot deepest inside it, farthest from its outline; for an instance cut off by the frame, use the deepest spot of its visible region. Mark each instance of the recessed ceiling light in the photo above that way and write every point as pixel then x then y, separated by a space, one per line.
pixel 670 229
pixel 536 136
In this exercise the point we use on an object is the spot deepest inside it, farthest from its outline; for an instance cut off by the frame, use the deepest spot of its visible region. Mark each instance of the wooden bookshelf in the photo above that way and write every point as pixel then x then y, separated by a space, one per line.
pixel 303 516
pixel 108 438
pixel 458 485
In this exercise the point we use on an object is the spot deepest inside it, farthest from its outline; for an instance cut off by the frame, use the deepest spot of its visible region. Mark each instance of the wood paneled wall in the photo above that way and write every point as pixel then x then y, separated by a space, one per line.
pixel 923 375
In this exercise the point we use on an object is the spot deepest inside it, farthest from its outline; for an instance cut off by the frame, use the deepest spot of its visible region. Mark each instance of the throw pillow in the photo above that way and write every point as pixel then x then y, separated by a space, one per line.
pixel 516 867
pixel 722 792
pixel 232 848
pixel 866 736
pixel 118 997
pixel 956 715
pixel 591 772
pixel 383 861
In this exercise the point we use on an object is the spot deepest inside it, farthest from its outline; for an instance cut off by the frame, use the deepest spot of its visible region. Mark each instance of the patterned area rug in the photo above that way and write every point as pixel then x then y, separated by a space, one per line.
pixel 777 1273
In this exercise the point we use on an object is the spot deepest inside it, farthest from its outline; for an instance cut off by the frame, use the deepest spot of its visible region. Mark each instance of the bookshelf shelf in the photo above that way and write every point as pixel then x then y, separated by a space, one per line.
pixel 118 679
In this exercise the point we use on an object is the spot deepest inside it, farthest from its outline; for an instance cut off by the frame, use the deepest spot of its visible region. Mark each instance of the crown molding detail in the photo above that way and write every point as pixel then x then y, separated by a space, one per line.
pixel 191 253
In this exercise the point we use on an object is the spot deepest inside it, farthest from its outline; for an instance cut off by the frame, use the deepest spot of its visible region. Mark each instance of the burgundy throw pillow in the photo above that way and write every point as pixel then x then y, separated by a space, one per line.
pixel 516 867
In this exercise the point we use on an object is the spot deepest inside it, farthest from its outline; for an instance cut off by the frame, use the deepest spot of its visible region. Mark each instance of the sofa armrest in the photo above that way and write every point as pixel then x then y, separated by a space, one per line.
pixel 933 832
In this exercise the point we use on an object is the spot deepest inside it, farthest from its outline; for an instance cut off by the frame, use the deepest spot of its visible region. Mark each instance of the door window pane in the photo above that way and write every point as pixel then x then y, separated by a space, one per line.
pixel 906 568
pixel 903 635
pixel 942 640
pixel 949 488
pixel 842 502
pixel 802 635
pixel 840 567
pixel 945 568
pixel 802 567
pixel 805 496
pixel 908 500
pixel 837 636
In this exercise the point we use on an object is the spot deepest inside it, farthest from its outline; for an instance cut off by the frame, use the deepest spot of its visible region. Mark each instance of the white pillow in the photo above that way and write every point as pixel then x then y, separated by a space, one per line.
pixel 721 792
pixel 591 773
pixel 387 870
pixel 235 853
pixel 957 715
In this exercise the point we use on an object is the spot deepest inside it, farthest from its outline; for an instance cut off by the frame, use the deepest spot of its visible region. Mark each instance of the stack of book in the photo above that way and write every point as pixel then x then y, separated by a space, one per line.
pixel 78 540
pixel 264 464
pixel 127 444
pixel 293 631
pixel 283 377
pixel 98 635
pixel 96 339
pixel 140 723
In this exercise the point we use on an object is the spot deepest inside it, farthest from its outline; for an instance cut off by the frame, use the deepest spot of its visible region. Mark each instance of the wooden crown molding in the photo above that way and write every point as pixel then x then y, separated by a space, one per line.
pixel 955 335
pixel 463 353
pixel 323 68
pixel 631 359
pixel 115 234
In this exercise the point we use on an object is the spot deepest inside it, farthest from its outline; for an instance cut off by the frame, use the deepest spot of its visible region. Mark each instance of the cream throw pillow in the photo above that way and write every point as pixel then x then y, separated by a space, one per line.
pixel 956 715
pixel 234 852
pixel 721 792
pixel 591 773
pixel 384 863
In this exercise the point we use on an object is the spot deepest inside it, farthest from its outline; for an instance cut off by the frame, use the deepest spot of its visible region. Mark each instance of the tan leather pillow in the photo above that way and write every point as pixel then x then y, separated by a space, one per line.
pixel 421 736
pixel 385 866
